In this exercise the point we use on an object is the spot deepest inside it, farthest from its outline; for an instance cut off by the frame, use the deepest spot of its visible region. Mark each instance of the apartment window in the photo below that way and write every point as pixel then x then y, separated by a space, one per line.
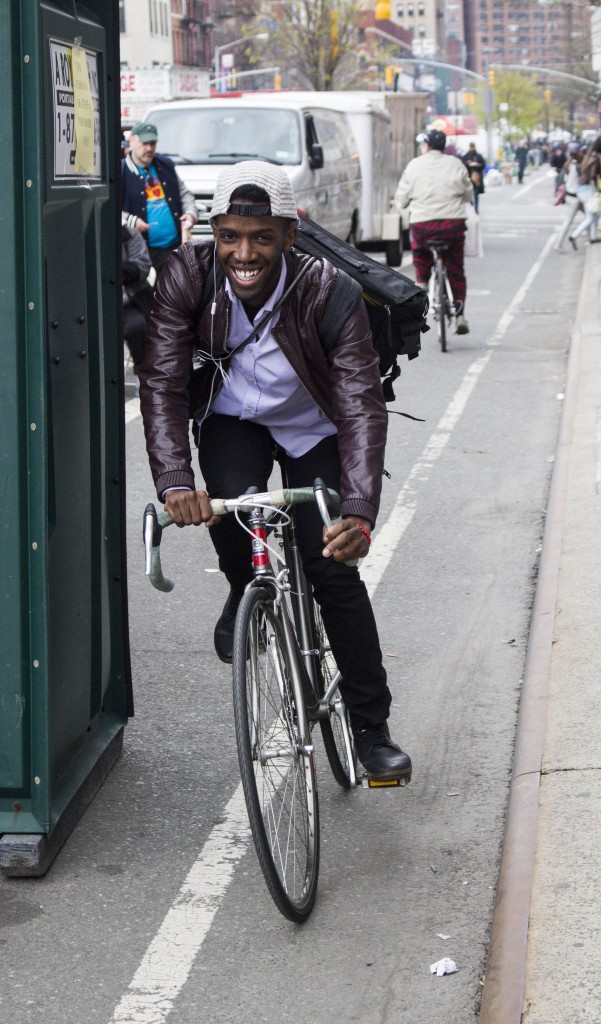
pixel 122 15
pixel 421 10
pixel 410 10
pixel 422 31
pixel 399 10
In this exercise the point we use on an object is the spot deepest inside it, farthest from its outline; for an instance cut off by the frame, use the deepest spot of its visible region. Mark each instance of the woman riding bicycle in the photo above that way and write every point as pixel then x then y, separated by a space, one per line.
pixel 434 188
pixel 274 387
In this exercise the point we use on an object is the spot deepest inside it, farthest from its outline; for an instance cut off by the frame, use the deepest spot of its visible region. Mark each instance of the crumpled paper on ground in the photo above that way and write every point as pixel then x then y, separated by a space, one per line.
pixel 444 966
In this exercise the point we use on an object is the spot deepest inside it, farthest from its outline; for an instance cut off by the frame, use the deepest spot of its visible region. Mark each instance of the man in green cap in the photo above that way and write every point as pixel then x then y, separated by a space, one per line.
pixel 155 200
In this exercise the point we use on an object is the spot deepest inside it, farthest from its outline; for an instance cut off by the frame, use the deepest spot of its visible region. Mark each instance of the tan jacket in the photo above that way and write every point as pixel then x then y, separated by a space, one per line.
pixel 434 187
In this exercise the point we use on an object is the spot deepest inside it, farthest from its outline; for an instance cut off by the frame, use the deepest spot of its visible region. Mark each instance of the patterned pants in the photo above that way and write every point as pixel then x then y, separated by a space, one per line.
pixel 452 231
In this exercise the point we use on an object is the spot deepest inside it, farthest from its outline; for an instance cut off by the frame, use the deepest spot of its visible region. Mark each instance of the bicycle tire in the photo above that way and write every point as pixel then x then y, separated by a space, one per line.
pixel 331 728
pixel 278 777
pixel 442 305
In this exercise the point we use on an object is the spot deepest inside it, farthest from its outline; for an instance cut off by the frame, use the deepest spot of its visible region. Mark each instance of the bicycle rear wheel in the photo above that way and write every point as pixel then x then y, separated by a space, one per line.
pixel 276 764
pixel 332 730
pixel 441 292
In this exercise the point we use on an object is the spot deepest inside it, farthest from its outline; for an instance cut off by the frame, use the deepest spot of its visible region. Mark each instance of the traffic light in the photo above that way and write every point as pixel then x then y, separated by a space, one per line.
pixel 382 10
pixel 547 95
pixel 491 78
pixel 391 77
pixel 469 99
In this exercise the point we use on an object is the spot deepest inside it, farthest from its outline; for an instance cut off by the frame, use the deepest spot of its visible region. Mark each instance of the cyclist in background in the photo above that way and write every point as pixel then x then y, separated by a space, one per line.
pixel 274 389
pixel 435 187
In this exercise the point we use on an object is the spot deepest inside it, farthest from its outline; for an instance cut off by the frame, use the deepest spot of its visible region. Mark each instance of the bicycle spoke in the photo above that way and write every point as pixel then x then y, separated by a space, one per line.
pixel 278 774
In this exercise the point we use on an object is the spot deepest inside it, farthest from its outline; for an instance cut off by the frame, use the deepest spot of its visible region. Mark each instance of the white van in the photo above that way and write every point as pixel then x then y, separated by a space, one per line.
pixel 310 138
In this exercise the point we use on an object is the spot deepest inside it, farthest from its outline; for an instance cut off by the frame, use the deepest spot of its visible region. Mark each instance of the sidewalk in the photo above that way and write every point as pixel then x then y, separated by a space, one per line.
pixel 544 949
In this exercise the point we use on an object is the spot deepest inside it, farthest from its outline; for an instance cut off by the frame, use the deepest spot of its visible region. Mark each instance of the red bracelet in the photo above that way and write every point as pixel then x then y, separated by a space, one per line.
pixel 365 532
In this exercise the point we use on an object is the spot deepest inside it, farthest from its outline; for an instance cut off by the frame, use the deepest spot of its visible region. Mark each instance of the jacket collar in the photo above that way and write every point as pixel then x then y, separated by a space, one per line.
pixel 133 167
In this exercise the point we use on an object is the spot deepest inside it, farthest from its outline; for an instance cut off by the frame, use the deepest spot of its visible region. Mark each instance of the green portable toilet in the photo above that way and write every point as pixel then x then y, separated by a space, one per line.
pixel 65 685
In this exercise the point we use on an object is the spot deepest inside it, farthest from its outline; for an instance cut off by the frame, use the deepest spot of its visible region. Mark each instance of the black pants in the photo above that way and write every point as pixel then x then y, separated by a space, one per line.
pixel 159 256
pixel 135 331
pixel 236 455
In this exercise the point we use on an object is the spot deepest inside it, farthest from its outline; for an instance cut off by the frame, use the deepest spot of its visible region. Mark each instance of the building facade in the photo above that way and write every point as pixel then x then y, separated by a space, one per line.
pixel 541 33
pixel 145 31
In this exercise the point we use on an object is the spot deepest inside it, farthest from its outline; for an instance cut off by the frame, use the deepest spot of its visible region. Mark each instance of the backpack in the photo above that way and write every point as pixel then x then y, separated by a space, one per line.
pixel 396 306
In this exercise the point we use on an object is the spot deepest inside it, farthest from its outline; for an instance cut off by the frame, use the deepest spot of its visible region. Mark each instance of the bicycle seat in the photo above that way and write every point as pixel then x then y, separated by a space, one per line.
pixel 440 244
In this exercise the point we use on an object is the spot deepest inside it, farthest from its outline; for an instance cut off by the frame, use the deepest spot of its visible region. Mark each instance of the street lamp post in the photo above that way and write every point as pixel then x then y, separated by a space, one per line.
pixel 228 46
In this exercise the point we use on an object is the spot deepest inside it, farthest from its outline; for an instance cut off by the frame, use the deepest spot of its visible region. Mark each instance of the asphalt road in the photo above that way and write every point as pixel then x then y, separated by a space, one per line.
pixel 156 908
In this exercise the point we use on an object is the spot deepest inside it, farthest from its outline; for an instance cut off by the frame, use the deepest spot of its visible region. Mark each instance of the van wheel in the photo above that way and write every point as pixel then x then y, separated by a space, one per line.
pixel 393 254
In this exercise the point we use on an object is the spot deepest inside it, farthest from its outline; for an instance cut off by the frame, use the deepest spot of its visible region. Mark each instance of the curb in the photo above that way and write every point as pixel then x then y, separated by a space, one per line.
pixel 505 981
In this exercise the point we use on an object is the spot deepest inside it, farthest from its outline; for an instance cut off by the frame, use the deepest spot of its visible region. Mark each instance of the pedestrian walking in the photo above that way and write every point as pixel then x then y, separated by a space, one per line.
pixel 588 191
pixel 521 159
pixel 475 163
pixel 137 292
pixel 573 205
pixel 155 200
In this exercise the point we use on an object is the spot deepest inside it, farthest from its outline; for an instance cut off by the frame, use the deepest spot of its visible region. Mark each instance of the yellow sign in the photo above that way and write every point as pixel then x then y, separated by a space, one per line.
pixel 83 109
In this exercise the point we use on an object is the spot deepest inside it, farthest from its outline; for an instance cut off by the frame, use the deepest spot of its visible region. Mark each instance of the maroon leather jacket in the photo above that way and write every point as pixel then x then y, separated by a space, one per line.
pixel 345 383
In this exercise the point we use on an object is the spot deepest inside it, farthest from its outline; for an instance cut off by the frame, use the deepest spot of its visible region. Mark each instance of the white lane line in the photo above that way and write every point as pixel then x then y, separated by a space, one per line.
pixel 172 952
pixel 389 535
pixel 524 189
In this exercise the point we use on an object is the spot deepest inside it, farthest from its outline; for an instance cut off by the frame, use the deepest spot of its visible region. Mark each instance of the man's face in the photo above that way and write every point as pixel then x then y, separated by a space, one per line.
pixel 142 152
pixel 250 251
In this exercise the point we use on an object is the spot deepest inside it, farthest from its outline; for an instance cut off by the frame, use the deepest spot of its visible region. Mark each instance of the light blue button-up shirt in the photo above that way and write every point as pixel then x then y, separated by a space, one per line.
pixel 262 386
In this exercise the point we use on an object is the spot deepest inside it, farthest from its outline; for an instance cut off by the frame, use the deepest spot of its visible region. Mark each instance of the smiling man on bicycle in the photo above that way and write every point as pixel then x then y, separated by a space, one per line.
pixel 269 391
pixel 435 188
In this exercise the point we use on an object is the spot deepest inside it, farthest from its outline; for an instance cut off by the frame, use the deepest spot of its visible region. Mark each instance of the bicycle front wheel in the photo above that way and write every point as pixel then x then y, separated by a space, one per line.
pixel 276 762
pixel 332 729
pixel 441 292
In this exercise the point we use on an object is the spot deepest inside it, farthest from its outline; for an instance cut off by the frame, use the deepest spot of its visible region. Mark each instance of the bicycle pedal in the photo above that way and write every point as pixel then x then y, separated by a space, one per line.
pixel 368 783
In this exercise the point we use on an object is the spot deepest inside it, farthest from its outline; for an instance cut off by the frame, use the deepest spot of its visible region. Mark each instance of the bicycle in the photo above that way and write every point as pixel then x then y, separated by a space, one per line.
pixel 442 303
pixel 285 680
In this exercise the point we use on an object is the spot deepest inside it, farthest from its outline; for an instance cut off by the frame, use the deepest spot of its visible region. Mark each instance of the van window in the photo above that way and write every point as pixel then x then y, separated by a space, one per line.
pixel 197 135
pixel 332 134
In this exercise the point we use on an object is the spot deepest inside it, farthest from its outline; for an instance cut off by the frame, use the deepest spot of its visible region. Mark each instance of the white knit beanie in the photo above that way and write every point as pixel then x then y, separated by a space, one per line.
pixel 271 178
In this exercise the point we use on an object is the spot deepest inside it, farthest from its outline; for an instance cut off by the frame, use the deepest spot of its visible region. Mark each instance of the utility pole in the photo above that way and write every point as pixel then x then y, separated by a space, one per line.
pixel 489 78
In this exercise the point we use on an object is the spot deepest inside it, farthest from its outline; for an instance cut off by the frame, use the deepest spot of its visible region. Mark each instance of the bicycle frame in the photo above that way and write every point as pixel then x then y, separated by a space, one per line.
pixel 291 579
pixel 300 643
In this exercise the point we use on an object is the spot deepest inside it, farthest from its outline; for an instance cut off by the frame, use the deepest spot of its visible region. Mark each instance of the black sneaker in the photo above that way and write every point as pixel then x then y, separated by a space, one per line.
pixel 223 637
pixel 383 760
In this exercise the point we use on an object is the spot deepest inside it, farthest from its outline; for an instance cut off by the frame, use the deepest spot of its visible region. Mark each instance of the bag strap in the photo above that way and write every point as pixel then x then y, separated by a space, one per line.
pixel 343 300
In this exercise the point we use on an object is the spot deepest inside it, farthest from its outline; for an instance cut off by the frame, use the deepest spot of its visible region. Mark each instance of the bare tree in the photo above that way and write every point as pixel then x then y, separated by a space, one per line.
pixel 315 41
